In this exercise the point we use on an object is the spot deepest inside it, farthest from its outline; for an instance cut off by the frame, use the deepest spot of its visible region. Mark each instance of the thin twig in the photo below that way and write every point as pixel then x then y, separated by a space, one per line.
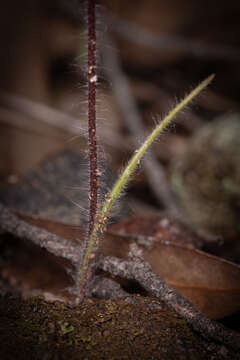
pixel 140 271
pixel 133 120
pixel 160 41
pixel 133 270
pixel 12 105
pixel 54 244
pixel 41 112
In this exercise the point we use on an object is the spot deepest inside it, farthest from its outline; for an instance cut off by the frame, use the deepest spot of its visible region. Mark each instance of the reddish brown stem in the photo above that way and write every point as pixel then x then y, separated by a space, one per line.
pixel 92 78
pixel 92 141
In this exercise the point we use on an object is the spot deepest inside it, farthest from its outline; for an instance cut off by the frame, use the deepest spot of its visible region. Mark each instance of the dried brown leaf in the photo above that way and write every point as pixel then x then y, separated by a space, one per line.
pixel 209 282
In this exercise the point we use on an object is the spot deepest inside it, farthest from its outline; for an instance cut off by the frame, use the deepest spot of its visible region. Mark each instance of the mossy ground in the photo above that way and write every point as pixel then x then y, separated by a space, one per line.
pixel 97 329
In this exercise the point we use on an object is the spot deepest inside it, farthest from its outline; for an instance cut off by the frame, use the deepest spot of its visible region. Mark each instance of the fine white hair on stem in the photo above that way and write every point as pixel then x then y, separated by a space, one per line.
pixel 83 209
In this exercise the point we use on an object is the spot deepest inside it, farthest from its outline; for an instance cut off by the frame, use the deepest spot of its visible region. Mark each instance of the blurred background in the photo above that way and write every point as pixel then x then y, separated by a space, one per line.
pixel 150 54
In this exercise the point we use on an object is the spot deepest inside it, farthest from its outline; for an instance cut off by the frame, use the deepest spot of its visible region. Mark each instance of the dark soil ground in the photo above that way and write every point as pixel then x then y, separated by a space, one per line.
pixel 137 328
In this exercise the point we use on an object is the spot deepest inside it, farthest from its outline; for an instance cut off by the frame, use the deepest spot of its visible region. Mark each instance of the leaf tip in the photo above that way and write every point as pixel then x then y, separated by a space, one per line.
pixel 210 78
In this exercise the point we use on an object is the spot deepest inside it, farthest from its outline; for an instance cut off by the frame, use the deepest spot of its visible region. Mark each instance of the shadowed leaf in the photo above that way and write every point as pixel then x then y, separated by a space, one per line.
pixel 210 283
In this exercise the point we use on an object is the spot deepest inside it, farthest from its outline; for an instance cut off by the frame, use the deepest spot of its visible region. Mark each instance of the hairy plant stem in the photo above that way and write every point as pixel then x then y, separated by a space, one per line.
pixel 92 141
pixel 128 172
pixel 92 78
